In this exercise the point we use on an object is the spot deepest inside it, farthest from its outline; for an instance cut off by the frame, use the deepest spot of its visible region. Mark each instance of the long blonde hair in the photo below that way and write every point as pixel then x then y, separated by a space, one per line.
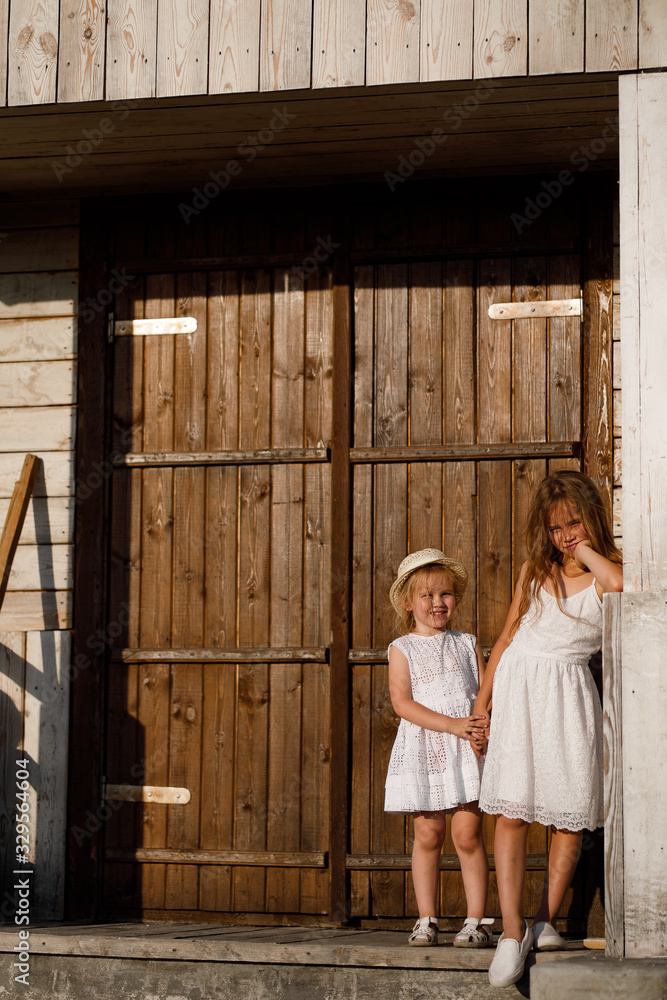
pixel 562 487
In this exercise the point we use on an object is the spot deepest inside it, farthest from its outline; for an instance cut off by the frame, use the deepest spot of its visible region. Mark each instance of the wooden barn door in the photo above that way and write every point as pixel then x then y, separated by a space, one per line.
pixel 365 398
pixel 218 685
pixel 456 418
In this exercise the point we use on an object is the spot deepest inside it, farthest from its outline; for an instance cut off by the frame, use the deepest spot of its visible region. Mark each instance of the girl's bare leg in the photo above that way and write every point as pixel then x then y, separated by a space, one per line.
pixel 510 855
pixel 469 844
pixel 429 838
pixel 563 857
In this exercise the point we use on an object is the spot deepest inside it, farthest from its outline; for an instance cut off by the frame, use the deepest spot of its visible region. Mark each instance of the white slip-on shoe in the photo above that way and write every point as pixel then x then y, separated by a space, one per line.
pixel 424 933
pixel 547 937
pixel 510 958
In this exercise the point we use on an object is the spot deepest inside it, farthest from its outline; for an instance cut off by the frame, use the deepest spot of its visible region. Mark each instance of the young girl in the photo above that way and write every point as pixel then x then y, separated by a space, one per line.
pixel 434 677
pixel 544 758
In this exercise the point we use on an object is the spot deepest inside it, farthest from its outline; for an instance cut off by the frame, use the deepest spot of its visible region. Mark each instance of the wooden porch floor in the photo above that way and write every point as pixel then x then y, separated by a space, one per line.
pixel 260 945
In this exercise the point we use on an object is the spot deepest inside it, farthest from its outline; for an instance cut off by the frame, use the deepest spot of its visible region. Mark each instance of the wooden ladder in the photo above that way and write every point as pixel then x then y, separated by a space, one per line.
pixel 18 507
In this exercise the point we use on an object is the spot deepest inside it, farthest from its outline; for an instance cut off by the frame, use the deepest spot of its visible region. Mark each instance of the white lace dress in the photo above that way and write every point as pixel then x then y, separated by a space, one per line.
pixel 544 758
pixel 430 771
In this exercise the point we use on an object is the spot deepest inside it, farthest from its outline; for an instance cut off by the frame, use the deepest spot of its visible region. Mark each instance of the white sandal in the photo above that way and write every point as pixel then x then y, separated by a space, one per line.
pixel 425 932
pixel 473 934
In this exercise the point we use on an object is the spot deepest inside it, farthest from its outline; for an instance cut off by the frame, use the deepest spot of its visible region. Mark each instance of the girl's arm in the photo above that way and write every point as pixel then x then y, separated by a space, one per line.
pixel 503 641
pixel 400 692
pixel 608 575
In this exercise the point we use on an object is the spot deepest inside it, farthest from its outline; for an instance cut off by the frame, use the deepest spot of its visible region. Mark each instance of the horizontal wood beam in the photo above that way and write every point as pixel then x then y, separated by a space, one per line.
pixel 213 654
pixel 380 655
pixel 467 452
pixel 403 862
pixel 267 456
pixel 382 255
pixel 270 859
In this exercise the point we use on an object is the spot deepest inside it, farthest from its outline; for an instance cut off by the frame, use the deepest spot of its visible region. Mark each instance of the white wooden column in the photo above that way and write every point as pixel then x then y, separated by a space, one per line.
pixel 643 217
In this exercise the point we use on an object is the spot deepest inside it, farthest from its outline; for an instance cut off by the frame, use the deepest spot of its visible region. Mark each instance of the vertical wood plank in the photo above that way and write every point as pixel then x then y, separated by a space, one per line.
pixel 125 763
pixel 556 42
pixel 564 383
pixel 500 38
pixel 4 38
pixel 46 718
pixel 598 342
pixel 460 486
pixel 611 35
pixel 613 778
pixel 446 47
pixel 131 60
pixel 254 586
pixel 390 547
pixel 425 403
pixel 33 52
pixel 153 714
pixel 652 34
pixel 341 572
pixel 392 42
pixel 234 48
pixel 81 54
pixel 529 396
pixel 339 43
pixel 315 784
pixel 182 47
pixel 12 689
pixel 217 782
pixel 182 883
pixel 285 42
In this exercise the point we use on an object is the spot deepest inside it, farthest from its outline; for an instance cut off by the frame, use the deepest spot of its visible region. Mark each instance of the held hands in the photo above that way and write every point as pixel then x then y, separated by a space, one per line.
pixel 473 729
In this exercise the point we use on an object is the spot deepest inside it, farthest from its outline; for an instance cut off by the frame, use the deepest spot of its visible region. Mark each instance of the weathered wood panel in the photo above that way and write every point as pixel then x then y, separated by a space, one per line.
pixel 52 339
pixel 40 427
pixel 182 48
pixel 40 250
pixel 446 40
pixel 392 42
pixel 35 610
pixel 33 52
pixel 12 687
pixel 500 38
pixel 611 35
pixel 613 775
pixel 55 478
pixel 81 56
pixel 339 43
pixel 131 49
pixel 46 523
pixel 234 47
pixel 47 673
pixel 652 33
pixel 42 567
pixel 285 42
pixel 643 636
pixel 46 294
pixel 557 34
pixel 37 383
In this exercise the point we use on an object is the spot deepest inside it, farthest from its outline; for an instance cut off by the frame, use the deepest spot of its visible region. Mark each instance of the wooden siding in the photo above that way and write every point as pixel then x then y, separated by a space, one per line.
pixel 176 49
pixel 38 351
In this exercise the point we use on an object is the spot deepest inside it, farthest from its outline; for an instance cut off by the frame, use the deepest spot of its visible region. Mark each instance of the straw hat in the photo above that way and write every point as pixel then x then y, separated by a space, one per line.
pixel 428 557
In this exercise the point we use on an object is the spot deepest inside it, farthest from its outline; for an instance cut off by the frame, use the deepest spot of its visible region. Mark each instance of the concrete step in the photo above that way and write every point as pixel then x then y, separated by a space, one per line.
pixel 198 962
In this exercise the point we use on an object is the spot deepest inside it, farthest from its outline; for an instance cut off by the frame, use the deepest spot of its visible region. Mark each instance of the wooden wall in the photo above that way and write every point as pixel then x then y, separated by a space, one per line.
pixel 38 345
pixel 83 50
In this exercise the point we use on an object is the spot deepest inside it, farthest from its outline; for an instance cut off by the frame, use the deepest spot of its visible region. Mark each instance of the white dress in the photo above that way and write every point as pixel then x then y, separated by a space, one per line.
pixel 544 758
pixel 430 771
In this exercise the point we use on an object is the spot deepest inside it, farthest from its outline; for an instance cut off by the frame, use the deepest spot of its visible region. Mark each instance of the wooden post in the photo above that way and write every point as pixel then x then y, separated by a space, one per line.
pixel 613 777
pixel 643 210
pixel 340 586
pixel 18 507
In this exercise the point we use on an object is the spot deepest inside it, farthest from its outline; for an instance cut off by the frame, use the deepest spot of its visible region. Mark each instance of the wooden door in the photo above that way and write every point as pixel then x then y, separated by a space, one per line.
pixel 220 546
pixel 365 392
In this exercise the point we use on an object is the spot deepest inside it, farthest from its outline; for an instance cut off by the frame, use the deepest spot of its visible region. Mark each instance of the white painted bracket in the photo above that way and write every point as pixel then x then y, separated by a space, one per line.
pixel 158 794
pixel 150 327
pixel 547 308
